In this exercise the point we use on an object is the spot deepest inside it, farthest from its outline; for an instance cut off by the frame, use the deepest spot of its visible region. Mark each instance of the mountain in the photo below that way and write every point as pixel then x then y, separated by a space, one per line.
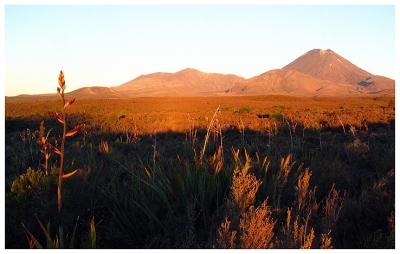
pixel 187 82
pixel 291 82
pixel 328 65
pixel 317 73
pixel 95 92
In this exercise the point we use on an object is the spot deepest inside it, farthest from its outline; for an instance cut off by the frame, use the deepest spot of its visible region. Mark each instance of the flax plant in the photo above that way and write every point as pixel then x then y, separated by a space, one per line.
pixel 61 151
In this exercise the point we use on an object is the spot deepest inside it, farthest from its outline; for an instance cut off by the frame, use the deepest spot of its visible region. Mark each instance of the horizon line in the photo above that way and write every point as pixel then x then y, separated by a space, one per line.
pixel 193 69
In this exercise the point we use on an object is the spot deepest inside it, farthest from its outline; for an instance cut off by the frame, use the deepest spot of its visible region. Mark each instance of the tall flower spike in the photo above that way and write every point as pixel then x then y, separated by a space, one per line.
pixel 61 81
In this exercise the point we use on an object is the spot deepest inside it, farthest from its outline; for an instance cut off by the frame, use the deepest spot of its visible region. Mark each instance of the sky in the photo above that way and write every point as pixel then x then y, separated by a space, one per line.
pixel 110 45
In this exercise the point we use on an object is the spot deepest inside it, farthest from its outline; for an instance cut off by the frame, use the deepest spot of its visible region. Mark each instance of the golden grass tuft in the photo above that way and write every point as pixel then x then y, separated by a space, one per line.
pixel 303 182
pixel 226 236
pixel 326 241
pixel 257 228
pixel 244 187
pixel 104 147
pixel 333 205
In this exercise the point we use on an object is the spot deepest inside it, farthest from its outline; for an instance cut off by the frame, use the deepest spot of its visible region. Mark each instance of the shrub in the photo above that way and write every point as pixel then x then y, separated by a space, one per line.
pixel 277 116
pixel 243 110
pixel 31 183
pixel 257 228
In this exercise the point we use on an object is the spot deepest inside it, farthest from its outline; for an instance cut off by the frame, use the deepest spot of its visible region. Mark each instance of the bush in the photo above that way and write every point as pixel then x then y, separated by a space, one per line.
pixel 243 110
pixel 31 183
pixel 277 116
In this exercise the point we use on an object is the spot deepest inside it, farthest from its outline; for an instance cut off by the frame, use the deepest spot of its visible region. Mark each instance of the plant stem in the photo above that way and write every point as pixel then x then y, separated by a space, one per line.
pixel 208 133
pixel 60 174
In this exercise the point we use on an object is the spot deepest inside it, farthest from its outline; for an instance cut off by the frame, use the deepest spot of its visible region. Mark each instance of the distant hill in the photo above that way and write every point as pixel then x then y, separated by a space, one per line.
pixel 316 73
pixel 97 92
pixel 94 92
pixel 187 82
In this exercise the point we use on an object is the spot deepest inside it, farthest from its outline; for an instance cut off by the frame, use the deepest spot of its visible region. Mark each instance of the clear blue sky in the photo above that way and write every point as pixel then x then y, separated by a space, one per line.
pixel 109 45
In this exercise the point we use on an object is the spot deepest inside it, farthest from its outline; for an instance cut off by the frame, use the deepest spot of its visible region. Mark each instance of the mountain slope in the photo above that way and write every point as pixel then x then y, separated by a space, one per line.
pixel 93 92
pixel 187 82
pixel 291 82
pixel 97 92
pixel 317 73
pixel 328 65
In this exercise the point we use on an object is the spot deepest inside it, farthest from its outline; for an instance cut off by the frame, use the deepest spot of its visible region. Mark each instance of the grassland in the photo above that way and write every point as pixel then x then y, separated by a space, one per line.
pixel 259 172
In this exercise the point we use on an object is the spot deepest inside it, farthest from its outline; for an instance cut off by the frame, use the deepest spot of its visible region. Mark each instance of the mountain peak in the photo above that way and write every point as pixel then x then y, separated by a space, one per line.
pixel 189 70
pixel 326 51
pixel 321 52
pixel 328 65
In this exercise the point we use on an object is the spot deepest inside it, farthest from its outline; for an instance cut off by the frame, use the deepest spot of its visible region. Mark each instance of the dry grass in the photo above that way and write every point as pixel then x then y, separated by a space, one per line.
pixel 246 225
pixel 333 205
pixel 257 228
pixel 303 182
pixel 145 115
pixel 259 172
pixel 244 187
pixel 226 236
pixel 104 147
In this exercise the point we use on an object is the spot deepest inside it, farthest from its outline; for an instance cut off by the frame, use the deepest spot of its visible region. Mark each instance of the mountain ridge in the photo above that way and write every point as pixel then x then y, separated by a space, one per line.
pixel 177 83
pixel 318 72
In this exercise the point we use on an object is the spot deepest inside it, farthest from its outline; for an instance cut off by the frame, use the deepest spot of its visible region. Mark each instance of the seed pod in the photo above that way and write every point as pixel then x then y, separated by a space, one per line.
pixel 65 176
pixel 74 130
pixel 69 103
pixel 61 81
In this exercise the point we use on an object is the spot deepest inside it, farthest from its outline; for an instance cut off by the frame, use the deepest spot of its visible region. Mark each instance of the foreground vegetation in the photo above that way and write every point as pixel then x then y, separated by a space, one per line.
pixel 215 172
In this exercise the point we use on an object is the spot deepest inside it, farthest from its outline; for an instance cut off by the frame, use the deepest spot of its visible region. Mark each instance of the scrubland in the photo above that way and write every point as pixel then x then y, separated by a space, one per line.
pixel 203 172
